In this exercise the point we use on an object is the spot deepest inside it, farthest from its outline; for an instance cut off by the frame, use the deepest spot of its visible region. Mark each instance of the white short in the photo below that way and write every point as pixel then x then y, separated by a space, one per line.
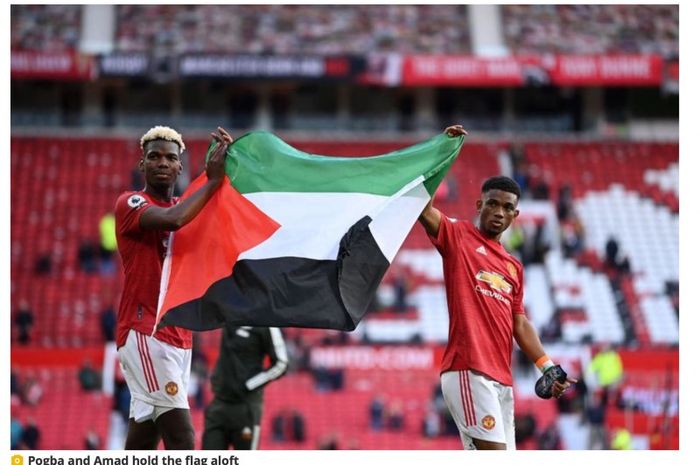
pixel 481 407
pixel 157 374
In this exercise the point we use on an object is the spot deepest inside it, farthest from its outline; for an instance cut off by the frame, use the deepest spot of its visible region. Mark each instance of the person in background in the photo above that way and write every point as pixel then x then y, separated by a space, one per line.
pixel 233 417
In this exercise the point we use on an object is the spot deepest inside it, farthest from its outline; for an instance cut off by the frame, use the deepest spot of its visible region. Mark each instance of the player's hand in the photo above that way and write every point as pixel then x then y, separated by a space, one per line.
pixel 455 130
pixel 558 389
pixel 216 162
pixel 553 383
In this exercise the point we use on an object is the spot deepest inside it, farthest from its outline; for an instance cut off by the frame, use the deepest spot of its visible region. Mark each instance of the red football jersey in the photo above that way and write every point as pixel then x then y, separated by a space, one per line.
pixel 484 286
pixel 143 253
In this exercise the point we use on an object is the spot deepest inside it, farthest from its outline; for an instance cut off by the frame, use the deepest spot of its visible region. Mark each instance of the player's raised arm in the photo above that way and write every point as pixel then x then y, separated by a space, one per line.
pixel 173 218
pixel 430 219
pixel 430 216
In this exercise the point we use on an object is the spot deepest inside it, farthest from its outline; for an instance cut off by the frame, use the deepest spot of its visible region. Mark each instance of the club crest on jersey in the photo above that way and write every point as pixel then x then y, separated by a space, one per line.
pixel 488 422
pixel 511 269
pixel 136 201
pixel 495 281
pixel 171 388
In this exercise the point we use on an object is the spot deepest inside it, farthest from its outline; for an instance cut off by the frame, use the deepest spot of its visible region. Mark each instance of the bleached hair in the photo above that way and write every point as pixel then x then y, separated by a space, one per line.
pixel 162 133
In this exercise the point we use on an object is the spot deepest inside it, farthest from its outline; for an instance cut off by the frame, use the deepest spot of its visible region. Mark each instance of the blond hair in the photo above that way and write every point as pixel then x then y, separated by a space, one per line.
pixel 163 133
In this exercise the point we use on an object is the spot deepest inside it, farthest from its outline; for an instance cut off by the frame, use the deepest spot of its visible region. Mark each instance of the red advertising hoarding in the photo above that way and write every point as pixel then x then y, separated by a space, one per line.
pixel 62 65
pixel 609 70
pixel 561 70
pixel 443 70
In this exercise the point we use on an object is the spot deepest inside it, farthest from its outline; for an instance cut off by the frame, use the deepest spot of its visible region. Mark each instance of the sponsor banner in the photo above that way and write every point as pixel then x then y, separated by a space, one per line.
pixel 124 65
pixel 376 357
pixel 62 65
pixel 623 70
pixel 562 70
pixel 671 77
pixel 269 66
pixel 427 70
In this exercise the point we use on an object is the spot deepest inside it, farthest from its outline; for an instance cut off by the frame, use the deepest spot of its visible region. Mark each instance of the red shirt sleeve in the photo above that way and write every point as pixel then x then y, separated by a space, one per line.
pixel 518 306
pixel 128 210
pixel 447 231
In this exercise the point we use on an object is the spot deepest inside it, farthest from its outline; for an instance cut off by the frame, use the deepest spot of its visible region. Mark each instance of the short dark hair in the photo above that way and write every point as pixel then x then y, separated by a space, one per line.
pixel 501 183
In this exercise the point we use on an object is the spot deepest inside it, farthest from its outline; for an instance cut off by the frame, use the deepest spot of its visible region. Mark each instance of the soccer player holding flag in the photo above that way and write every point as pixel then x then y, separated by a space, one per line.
pixel 484 286
pixel 156 365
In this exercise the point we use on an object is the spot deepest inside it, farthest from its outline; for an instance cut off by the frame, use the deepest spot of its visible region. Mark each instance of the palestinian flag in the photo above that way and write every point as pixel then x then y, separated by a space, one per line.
pixel 297 239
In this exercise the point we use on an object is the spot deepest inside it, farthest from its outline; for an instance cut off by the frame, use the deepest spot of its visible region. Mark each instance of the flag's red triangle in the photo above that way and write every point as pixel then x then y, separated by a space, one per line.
pixel 206 249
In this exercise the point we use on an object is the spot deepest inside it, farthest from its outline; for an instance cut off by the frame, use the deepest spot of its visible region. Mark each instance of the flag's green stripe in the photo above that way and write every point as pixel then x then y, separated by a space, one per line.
pixel 261 162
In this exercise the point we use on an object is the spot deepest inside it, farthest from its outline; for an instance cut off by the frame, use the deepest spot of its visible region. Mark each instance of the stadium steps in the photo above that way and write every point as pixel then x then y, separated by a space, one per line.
pixel 65 413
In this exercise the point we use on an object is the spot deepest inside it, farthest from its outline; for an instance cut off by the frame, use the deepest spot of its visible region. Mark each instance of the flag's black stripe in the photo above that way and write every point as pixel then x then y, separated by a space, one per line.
pixel 292 291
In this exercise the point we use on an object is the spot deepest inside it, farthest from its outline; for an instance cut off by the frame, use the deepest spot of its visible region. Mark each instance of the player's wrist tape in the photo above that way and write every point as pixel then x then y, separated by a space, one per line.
pixel 544 363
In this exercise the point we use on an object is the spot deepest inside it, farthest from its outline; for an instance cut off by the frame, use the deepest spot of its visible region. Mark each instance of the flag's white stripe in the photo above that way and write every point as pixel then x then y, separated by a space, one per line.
pixel 391 226
pixel 312 224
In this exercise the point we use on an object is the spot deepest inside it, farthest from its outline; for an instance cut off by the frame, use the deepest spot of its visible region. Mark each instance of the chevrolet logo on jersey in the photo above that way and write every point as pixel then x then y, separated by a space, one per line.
pixel 495 280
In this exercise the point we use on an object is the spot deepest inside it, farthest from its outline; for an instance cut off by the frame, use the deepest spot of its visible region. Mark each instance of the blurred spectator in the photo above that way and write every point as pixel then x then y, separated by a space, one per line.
pixel 278 427
pixel 525 427
pixel 431 422
pixel 137 180
pixel 14 384
pixel 16 430
pixel 32 392
pixel 612 258
pixel 621 440
pixel 299 352
pixel 24 320
pixel 591 29
pixel 121 399
pixel 595 417
pixel 89 377
pixel 45 28
pixel 108 322
pixel 329 442
pixel 551 332
pixel 571 230
pixel 605 371
pixel 516 157
pixel 108 243
pixel 540 190
pixel 396 418
pixel 328 379
pixel 298 427
pixel 43 264
pixel 549 439
pixel 574 399
pixel 87 257
pixel 565 202
pixel 537 245
pixel 31 435
pixel 376 413
pixel 92 440
pixel 199 374
pixel 293 29
pixel 288 425
pixel 401 288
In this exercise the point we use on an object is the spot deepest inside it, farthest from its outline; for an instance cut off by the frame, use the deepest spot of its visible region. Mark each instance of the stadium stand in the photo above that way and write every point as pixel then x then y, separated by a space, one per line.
pixel 280 29
pixel 64 414
pixel 49 28
pixel 533 29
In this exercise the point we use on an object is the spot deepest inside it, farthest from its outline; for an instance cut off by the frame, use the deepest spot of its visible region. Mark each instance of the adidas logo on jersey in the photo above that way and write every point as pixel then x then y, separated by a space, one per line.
pixel 481 249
